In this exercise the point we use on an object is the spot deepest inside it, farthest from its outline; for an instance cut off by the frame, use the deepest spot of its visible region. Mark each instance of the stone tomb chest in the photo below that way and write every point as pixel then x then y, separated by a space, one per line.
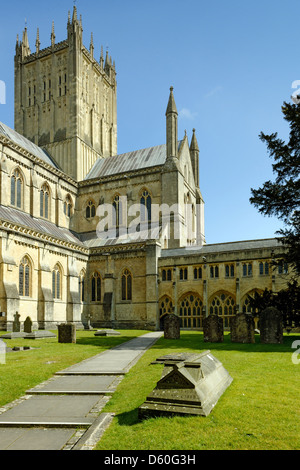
pixel 188 387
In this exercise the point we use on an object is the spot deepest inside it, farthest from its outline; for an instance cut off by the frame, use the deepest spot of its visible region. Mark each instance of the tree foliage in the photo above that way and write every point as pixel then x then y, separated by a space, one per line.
pixel 281 198
pixel 287 301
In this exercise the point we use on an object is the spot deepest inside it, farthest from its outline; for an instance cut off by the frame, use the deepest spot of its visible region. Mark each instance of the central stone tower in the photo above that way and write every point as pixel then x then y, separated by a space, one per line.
pixel 65 100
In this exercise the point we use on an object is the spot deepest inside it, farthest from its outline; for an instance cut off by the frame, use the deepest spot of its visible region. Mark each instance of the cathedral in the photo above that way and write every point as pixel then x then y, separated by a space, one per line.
pixel 90 236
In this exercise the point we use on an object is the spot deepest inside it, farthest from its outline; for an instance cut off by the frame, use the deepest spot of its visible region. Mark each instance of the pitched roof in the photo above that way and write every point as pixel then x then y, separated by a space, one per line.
pixel 12 215
pixel 26 144
pixel 222 247
pixel 129 161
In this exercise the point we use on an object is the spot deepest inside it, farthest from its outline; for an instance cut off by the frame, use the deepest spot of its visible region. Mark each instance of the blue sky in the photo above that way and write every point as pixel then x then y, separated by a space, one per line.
pixel 231 63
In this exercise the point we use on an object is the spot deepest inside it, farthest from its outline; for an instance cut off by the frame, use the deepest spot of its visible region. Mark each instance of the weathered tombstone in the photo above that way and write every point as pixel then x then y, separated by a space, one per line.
pixel 271 327
pixel 190 387
pixel 28 325
pixel 16 323
pixel 213 329
pixel 67 333
pixel 242 328
pixel 172 326
pixel 88 326
pixel 108 332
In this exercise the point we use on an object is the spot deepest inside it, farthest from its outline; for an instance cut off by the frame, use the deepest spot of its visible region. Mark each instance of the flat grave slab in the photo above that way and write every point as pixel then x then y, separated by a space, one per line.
pixel 106 333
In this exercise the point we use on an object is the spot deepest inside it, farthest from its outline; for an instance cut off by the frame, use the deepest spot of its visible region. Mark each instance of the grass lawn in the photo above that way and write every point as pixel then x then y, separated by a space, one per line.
pixel 260 410
pixel 25 369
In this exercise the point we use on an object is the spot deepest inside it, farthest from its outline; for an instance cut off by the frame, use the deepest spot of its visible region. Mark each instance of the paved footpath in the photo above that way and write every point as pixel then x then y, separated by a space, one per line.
pixel 64 413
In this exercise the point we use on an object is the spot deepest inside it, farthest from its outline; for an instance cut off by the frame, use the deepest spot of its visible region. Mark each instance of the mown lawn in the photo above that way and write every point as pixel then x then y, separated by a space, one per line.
pixel 25 369
pixel 260 410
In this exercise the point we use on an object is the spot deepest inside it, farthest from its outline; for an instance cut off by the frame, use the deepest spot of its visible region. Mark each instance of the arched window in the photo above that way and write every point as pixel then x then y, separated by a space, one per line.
pixel 117 213
pixel 224 306
pixel 166 275
pixel 81 285
pixel 90 210
pixel 126 285
pixel 165 308
pixel 68 206
pixel 190 311
pixel 263 268
pixel 16 189
pixel 96 287
pixel 145 206
pixel 198 273
pixel 183 274
pixel 24 277
pixel 56 282
pixel 44 201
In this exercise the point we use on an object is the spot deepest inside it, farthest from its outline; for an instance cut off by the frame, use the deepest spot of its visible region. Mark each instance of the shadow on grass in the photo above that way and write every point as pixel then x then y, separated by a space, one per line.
pixel 103 341
pixel 194 341
pixel 128 418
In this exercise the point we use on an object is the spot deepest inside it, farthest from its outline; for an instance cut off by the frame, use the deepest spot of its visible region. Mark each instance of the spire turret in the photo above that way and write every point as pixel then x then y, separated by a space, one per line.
pixel 172 127
pixel 194 153
pixel 74 18
pixel 25 44
pixel 92 46
pixel 37 42
pixel 52 35
pixel 101 58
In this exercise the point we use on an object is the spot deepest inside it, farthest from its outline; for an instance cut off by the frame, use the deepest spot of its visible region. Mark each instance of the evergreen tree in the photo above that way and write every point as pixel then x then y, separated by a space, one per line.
pixel 281 198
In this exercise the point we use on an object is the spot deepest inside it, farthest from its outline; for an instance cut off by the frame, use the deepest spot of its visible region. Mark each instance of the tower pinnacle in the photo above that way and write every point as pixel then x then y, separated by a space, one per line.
pixel 172 127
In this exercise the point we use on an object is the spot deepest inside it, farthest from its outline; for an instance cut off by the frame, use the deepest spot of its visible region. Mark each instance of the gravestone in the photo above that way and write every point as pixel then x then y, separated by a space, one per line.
pixel 16 323
pixel 172 326
pixel 271 327
pixel 190 387
pixel 242 328
pixel 213 329
pixel 67 333
pixel 108 332
pixel 87 325
pixel 28 325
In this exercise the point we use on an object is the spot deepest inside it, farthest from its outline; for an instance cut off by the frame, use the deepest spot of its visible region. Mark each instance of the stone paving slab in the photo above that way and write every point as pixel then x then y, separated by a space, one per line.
pixel 120 358
pixel 69 409
pixel 34 438
pixel 50 421
pixel 77 384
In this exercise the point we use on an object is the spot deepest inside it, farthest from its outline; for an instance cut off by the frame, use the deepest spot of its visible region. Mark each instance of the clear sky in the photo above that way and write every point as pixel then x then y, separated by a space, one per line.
pixel 232 64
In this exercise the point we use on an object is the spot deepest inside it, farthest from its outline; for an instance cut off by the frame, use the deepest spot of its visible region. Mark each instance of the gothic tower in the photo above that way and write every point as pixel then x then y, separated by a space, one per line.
pixel 65 100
